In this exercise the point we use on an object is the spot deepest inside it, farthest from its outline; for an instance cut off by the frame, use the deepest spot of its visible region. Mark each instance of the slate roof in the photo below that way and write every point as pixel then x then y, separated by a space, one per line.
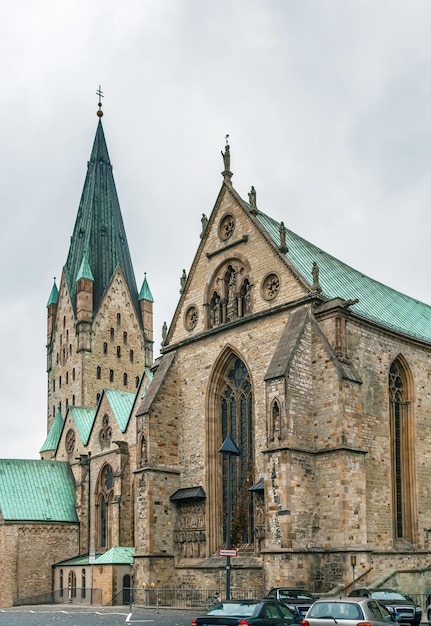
pixel 121 403
pixel 54 434
pixel 99 232
pixel 188 493
pixel 145 293
pixel 119 555
pixel 53 296
pixel 37 491
pixel 83 418
pixel 377 302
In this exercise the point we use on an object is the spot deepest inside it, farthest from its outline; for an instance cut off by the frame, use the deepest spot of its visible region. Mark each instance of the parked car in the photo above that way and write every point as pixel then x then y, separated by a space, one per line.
pixel 249 613
pixel 407 610
pixel 350 611
pixel 295 598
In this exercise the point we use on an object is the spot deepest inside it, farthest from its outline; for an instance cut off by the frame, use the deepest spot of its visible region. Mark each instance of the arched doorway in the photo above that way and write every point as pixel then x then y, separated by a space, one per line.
pixel 127 591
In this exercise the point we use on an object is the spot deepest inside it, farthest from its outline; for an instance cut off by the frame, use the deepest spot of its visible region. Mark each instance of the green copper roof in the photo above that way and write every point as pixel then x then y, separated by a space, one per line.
pixel 53 296
pixel 119 555
pixel 83 419
pixel 99 230
pixel 145 293
pixel 377 302
pixel 53 437
pixel 37 491
pixel 121 403
pixel 85 270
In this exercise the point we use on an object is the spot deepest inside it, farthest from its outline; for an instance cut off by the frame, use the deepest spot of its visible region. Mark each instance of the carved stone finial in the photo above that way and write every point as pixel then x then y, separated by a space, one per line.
pixel 252 201
pixel 204 222
pixel 164 333
pixel 183 281
pixel 315 273
pixel 283 247
pixel 227 174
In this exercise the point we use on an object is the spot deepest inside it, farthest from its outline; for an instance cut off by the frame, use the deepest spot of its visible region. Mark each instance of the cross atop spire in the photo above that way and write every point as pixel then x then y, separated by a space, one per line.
pixel 99 93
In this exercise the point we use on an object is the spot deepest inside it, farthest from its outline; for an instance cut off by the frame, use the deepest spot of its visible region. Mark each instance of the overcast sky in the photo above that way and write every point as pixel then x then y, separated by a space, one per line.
pixel 327 104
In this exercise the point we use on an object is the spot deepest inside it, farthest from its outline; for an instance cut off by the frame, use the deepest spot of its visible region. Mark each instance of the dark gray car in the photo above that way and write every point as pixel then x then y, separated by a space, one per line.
pixel 296 598
pixel 408 612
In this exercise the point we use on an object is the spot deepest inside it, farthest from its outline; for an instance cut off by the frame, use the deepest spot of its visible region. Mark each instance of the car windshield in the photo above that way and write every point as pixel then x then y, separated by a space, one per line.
pixel 238 609
pixel 387 595
pixel 295 594
pixel 336 610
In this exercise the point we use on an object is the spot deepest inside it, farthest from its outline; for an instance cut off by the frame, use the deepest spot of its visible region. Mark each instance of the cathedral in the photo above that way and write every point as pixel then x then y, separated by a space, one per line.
pixel 316 376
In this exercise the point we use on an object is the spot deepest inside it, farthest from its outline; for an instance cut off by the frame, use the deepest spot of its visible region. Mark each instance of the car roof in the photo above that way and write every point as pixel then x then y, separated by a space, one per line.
pixel 290 589
pixel 352 599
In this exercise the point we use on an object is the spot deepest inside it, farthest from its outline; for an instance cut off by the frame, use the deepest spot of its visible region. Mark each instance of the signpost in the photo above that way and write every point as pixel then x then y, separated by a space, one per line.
pixel 229 449
pixel 228 552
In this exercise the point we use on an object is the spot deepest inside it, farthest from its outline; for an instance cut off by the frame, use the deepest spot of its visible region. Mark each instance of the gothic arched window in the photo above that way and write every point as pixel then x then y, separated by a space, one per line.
pixel 236 414
pixel 106 483
pixel 275 421
pixel 402 453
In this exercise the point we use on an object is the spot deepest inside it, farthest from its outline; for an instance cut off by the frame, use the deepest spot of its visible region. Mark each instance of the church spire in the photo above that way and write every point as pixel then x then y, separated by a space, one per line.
pixel 99 235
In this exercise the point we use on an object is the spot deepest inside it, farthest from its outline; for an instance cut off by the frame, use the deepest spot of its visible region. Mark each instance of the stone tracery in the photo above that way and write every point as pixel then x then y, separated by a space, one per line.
pixel 229 294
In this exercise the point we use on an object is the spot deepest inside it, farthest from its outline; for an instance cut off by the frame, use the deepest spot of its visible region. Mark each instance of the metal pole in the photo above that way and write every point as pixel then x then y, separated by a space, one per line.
pixel 228 539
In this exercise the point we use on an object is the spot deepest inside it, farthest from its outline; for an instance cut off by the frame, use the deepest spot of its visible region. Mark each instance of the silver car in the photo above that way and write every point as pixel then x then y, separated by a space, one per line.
pixel 349 611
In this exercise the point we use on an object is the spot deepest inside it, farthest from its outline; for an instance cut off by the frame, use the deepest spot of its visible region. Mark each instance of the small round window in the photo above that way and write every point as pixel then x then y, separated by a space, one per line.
pixel 226 227
pixel 70 441
pixel 191 317
pixel 270 286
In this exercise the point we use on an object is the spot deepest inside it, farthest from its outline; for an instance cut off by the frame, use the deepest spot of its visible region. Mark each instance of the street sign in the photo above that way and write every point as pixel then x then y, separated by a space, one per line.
pixel 228 552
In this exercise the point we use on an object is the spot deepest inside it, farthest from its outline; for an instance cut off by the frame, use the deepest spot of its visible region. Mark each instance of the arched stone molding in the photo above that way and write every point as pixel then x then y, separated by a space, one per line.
pixel 214 439
pixel 104 513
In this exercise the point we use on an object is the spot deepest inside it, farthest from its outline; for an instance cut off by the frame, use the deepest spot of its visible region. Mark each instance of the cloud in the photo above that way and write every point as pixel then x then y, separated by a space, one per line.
pixel 326 104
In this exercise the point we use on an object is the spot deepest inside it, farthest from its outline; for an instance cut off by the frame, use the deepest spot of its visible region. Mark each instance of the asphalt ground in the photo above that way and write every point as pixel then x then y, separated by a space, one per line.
pixel 64 615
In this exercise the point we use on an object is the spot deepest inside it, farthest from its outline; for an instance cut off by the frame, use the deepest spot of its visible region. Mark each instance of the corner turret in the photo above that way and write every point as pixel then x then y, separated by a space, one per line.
pixel 146 304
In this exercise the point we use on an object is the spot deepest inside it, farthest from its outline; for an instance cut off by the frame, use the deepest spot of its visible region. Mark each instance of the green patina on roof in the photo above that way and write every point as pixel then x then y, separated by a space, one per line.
pixel 145 293
pixel 119 555
pixel 37 491
pixel 85 270
pixel 83 419
pixel 53 296
pixel 377 302
pixel 121 403
pixel 54 434
pixel 99 230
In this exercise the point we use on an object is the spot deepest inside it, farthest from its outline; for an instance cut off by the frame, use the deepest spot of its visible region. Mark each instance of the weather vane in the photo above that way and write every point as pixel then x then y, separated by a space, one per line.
pixel 99 93
pixel 227 138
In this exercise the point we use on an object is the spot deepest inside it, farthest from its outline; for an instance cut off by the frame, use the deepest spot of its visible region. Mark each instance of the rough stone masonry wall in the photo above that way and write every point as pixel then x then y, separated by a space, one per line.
pixel 77 370
pixel 372 353
pixel 28 551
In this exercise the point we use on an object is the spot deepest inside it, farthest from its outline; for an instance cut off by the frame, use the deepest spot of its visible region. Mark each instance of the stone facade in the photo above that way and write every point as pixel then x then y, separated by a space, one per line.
pixel 328 406
pixel 27 552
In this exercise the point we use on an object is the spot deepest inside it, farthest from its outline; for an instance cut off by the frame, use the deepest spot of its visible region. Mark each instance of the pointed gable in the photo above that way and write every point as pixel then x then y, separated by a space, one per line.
pixel 99 235
pixel 121 403
pixel 83 419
